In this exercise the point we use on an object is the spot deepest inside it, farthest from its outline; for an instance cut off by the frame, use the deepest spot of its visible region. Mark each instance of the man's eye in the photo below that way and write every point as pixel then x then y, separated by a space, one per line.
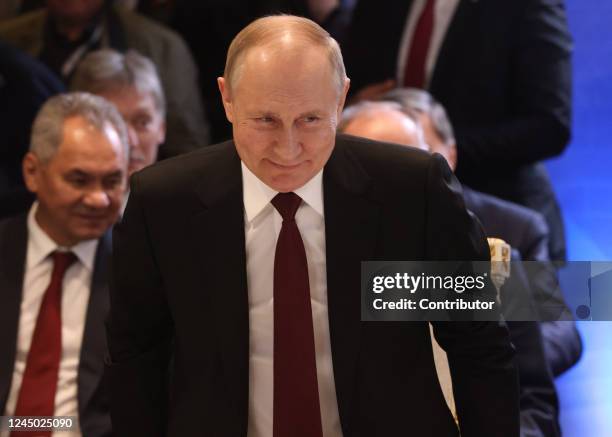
pixel 264 119
pixel 311 119
pixel 113 182
pixel 78 181
pixel 141 123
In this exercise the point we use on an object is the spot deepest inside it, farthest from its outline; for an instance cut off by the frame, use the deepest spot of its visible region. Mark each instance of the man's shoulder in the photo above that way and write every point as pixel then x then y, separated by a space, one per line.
pixel 14 230
pixel 499 214
pixel 382 159
pixel 207 165
pixel 145 34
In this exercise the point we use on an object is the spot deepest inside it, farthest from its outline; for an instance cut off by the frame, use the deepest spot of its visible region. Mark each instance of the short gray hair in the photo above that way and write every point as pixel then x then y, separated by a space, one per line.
pixel 108 70
pixel 367 107
pixel 48 127
pixel 417 101
pixel 271 28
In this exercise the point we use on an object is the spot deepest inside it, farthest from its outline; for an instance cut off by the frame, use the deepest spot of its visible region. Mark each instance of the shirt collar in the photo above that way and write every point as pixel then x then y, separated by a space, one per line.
pixel 40 245
pixel 257 195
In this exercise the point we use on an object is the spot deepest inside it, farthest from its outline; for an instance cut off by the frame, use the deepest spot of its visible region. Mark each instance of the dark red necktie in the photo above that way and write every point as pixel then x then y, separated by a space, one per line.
pixel 296 393
pixel 414 73
pixel 39 384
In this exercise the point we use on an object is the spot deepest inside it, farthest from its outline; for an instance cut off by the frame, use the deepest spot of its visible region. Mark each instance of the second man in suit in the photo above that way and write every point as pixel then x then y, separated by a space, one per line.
pixel 54 265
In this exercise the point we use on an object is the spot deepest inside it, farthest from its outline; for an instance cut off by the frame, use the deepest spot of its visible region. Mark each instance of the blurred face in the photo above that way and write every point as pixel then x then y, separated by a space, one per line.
pixel 80 189
pixel 284 108
pixel 436 145
pixel 74 11
pixel 146 126
pixel 389 126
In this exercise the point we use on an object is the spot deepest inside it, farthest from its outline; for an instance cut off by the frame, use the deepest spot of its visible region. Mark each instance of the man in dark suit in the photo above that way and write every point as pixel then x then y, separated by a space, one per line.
pixel 501 69
pixel 53 266
pixel 244 271
pixel 524 229
pixel 388 121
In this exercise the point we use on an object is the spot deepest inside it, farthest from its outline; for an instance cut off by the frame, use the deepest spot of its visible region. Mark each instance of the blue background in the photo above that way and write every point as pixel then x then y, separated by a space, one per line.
pixel 582 177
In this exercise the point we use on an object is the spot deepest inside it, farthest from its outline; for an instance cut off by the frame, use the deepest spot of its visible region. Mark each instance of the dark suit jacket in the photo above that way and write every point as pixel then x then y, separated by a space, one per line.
pixel 25 84
pixel 93 396
pixel 526 231
pixel 504 75
pixel 180 289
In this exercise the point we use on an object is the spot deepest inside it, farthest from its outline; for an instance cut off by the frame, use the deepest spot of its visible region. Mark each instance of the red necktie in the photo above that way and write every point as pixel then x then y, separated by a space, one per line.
pixel 37 392
pixel 296 393
pixel 414 74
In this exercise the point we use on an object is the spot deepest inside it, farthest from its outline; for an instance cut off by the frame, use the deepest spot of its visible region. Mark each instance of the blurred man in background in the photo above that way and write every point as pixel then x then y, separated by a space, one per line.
pixel 130 82
pixel 387 121
pixel 522 228
pixel 63 32
pixel 501 69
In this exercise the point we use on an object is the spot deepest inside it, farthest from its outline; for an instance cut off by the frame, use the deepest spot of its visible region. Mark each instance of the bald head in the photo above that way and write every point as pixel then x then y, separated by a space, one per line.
pixel 382 121
pixel 286 38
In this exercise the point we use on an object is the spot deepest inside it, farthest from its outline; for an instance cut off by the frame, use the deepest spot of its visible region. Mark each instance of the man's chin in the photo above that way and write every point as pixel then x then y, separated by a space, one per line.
pixel 287 184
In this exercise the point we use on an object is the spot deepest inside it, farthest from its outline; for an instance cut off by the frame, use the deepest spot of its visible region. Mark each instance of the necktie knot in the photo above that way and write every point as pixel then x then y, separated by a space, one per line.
pixel 287 204
pixel 61 261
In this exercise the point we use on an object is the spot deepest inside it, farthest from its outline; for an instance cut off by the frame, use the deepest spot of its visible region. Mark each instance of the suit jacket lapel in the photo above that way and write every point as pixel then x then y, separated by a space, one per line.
pixel 93 345
pixel 13 248
pixel 351 223
pixel 220 263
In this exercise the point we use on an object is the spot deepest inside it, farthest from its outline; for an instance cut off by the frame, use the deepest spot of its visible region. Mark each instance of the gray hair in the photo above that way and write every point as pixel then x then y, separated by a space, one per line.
pixel 368 107
pixel 47 130
pixel 418 101
pixel 272 28
pixel 107 70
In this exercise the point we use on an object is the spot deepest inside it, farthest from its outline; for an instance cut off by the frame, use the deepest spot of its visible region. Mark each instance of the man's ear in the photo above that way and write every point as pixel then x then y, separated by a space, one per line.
pixel 347 84
pixel 226 98
pixel 31 167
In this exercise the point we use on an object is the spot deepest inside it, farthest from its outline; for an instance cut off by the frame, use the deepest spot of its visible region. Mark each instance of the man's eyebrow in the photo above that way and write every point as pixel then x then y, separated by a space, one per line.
pixel 116 173
pixel 317 112
pixel 259 113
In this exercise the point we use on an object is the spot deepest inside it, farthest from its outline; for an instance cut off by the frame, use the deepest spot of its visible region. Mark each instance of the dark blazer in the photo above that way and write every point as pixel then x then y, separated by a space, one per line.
pixel 93 396
pixel 25 84
pixel 503 73
pixel 180 290
pixel 526 231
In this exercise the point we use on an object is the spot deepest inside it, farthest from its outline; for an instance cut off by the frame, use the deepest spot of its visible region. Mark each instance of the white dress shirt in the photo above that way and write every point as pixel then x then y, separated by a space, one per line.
pixel 443 14
pixel 262 227
pixel 75 296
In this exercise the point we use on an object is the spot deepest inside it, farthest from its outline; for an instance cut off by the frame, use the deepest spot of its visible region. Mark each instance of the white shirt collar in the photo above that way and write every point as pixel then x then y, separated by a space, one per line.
pixel 40 245
pixel 257 195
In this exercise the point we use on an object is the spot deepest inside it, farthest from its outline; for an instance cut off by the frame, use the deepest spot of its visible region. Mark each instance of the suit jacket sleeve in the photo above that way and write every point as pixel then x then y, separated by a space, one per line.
pixel 139 328
pixel 539 93
pixel 480 355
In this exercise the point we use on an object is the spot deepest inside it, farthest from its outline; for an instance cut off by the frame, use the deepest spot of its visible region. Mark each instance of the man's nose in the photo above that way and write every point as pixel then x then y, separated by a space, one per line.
pixel 97 198
pixel 132 136
pixel 288 146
